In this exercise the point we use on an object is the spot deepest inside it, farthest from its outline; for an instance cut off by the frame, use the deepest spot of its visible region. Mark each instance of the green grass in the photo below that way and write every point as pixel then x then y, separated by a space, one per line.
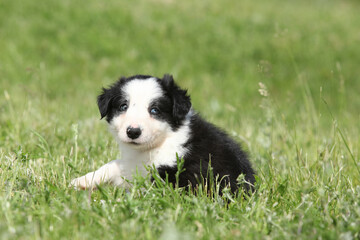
pixel 303 136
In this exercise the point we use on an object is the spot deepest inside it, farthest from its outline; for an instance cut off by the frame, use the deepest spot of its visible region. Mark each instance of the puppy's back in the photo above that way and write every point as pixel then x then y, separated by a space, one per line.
pixel 209 143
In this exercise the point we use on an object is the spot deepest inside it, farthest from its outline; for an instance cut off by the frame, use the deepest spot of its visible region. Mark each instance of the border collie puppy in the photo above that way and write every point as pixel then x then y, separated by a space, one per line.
pixel 152 120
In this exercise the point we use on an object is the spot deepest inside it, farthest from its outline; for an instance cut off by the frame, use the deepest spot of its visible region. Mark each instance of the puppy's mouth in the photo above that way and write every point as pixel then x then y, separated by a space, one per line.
pixel 139 145
pixel 132 142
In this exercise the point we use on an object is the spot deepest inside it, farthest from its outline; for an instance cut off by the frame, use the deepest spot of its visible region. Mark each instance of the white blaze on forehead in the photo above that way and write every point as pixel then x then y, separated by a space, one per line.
pixel 142 91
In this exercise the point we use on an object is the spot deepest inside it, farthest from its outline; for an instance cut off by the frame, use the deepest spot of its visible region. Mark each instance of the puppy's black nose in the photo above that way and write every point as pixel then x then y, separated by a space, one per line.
pixel 133 133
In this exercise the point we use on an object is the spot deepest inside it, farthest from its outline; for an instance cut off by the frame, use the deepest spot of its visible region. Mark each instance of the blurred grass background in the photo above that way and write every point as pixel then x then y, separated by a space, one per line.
pixel 56 55
pixel 54 49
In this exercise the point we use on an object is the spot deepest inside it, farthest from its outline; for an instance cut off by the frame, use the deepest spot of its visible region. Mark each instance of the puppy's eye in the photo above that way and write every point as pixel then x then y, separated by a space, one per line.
pixel 154 111
pixel 123 107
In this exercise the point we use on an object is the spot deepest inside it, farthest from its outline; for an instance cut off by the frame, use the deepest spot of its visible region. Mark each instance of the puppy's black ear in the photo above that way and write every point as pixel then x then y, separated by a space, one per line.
pixel 105 99
pixel 104 102
pixel 181 101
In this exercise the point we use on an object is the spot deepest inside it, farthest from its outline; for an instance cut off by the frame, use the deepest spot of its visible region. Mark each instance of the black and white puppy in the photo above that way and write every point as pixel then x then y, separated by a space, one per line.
pixel 152 120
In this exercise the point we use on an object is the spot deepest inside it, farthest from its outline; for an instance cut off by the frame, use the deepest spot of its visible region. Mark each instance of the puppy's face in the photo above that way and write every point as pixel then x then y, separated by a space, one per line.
pixel 142 110
pixel 138 118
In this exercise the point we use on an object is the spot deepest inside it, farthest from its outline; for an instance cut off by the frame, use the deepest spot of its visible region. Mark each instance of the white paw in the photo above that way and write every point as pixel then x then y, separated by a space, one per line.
pixel 82 183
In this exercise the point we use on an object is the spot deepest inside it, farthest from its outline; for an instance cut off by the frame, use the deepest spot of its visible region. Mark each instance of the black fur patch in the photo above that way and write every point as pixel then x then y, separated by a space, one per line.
pixel 206 143
pixel 181 103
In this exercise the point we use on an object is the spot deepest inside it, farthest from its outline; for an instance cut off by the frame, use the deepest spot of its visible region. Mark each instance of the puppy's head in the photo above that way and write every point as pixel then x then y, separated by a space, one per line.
pixel 144 110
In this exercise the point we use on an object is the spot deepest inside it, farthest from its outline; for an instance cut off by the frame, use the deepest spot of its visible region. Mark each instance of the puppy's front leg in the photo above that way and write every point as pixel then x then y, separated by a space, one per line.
pixel 109 173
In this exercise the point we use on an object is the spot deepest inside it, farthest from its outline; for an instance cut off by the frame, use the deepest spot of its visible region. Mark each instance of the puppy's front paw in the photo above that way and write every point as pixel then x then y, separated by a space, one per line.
pixel 82 183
